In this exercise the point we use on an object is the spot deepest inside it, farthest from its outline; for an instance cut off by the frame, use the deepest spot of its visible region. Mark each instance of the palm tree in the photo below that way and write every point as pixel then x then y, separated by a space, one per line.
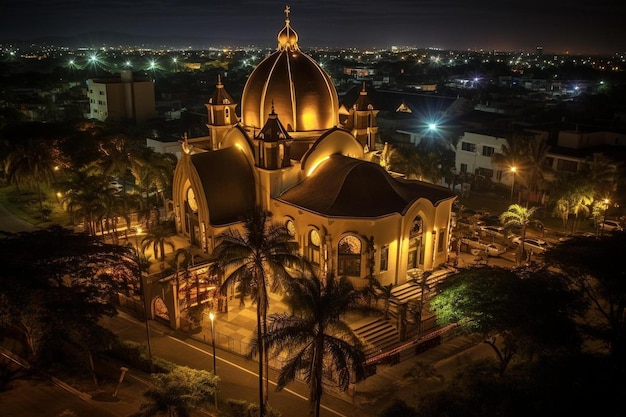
pixel 155 174
pixel 417 162
pixel 318 336
pixel 254 260
pixel 32 164
pixel 514 154
pixel 574 193
pixel 84 198
pixel 536 168
pixel 118 158
pixel 158 237
pixel 518 216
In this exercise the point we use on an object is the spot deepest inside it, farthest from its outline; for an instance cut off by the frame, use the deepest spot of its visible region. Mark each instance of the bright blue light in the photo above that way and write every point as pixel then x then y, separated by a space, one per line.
pixel 432 126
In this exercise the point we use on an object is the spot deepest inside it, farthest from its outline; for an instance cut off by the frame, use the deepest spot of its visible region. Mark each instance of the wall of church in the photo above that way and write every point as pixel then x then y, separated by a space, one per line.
pixel 396 249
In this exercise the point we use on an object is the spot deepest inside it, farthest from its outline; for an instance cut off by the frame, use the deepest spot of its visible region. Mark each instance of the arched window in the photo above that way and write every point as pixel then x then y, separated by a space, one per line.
pixel 416 249
pixel 291 227
pixel 349 256
pixel 313 247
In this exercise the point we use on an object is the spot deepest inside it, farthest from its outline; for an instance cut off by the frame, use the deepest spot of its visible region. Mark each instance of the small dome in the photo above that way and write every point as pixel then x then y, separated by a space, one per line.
pixel 303 94
pixel 287 38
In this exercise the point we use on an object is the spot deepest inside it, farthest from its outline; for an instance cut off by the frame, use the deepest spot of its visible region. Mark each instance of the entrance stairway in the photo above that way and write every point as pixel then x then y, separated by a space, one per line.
pixel 377 334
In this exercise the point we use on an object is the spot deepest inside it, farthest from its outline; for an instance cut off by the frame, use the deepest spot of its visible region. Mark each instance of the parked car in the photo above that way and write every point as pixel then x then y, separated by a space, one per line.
pixel 492 249
pixel 611 226
pixel 495 231
pixel 570 236
pixel 537 245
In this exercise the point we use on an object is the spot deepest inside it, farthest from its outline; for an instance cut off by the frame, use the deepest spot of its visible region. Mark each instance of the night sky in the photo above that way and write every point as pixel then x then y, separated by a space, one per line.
pixel 559 26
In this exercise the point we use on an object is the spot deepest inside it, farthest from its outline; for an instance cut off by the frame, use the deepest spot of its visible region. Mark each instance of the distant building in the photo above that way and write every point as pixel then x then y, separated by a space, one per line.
pixel 121 98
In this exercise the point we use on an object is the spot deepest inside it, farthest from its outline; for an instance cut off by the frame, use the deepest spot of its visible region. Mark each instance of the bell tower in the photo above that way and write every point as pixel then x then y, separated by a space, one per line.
pixel 221 114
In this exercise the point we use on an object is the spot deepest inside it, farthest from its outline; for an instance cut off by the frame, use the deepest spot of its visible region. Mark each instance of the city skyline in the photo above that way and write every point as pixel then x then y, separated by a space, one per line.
pixel 557 26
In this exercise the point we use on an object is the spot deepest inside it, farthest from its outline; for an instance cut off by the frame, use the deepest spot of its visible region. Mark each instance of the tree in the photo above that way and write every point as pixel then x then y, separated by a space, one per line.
pixel 84 198
pixel 536 168
pixel 33 164
pixel 421 371
pixel 56 282
pixel 118 158
pixel 179 392
pixel 592 267
pixel 518 216
pixel 253 260
pixel 417 162
pixel 532 311
pixel 514 152
pixel 317 338
pixel 158 237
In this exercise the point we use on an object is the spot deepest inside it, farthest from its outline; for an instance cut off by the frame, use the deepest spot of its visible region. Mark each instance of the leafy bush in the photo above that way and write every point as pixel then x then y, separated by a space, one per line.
pixel 241 408
pixel 136 355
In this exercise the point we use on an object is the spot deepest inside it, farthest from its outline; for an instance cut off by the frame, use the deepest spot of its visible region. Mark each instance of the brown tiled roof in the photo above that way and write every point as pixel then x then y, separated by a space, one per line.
pixel 347 187
pixel 228 181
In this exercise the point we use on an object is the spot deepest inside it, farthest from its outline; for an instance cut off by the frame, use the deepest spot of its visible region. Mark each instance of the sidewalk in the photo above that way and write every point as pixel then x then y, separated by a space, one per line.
pixel 233 331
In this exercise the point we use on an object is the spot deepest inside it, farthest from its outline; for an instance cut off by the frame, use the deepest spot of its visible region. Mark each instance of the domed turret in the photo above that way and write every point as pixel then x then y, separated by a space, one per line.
pixel 303 94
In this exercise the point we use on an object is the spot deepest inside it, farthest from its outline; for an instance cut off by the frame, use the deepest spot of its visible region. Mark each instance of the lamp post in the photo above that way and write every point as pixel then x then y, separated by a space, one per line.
pixel 513 170
pixel 143 296
pixel 212 317
pixel 606 208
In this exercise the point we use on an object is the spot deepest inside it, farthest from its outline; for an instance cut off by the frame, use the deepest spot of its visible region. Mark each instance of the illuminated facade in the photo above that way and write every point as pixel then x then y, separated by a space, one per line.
pixel 122 98
pixel 296 153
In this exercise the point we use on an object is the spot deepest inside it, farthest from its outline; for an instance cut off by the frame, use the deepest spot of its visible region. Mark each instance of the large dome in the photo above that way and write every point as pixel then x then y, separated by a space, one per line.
pixel 301 93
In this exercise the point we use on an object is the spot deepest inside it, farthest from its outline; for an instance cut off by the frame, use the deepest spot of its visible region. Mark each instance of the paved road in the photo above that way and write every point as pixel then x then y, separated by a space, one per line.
pixel 9 222
pixel 238 377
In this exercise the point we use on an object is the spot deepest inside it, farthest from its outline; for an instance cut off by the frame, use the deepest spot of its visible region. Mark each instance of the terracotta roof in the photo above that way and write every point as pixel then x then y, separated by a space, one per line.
pixel 228 181
pixel 347 187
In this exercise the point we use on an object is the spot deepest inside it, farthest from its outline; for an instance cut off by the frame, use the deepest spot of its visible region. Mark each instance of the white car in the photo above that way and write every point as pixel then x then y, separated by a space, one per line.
pixel 537 245
pixel 611 226
pixel 491 249
pixel 495 231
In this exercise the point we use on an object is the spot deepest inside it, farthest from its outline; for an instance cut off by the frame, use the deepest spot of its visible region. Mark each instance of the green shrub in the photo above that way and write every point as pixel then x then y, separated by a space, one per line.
pixel 136 355
pixel 241 408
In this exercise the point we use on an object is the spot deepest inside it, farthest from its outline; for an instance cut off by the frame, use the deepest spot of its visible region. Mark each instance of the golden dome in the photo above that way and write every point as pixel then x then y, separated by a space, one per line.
pixel 303 95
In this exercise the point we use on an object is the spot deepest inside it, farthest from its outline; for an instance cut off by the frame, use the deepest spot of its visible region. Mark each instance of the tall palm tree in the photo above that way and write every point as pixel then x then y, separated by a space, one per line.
pixel 318 336
pixel 154 175
pixel 518 216
pixel 573 195
pixel 536 167
pixel 84 198
pixel 159 237
pixel 254 259
pixel 514 154
pixel 32 164
pixel 118 158
pixel 417 162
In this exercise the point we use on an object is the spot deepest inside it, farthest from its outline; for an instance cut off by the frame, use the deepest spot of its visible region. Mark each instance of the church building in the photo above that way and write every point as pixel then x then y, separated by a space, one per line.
pixel 294 151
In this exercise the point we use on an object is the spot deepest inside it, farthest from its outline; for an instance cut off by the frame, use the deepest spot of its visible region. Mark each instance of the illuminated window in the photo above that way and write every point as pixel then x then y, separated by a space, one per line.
pixel 291 227
pixel 313 247
pixel 440 242
pixel 384 258
pixel 349 256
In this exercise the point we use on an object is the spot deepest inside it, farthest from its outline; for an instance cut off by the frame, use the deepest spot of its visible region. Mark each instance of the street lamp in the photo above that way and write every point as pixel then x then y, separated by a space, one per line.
pixel 513 170
pixel 143 296
pixel 212 317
